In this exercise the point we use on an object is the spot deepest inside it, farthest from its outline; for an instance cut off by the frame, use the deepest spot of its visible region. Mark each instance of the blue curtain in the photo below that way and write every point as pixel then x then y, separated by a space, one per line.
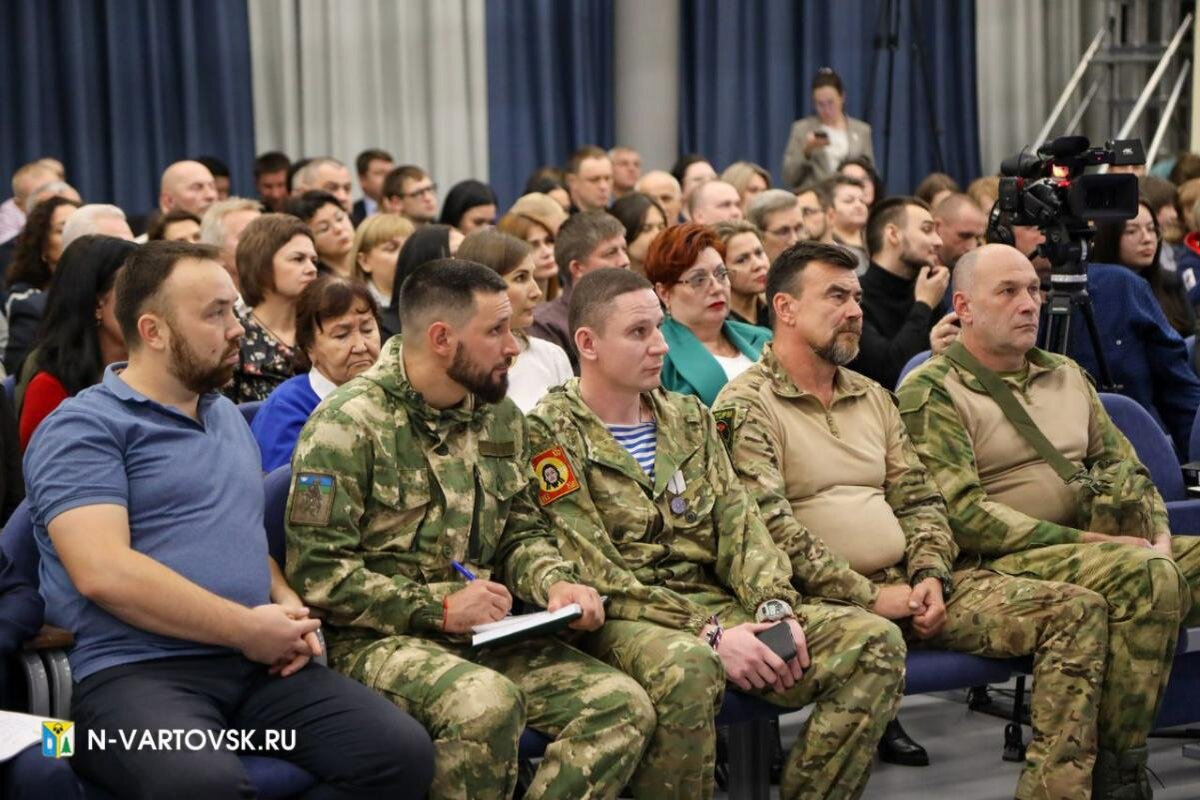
pixel 550 84
pixel 119 89
pixel 746 66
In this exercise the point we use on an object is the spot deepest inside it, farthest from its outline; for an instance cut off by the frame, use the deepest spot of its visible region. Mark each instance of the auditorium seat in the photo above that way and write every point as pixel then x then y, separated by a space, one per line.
pixel 1155 451
pixel 1194 439
pixel 30 774
pixel 249 409
pixel 914 362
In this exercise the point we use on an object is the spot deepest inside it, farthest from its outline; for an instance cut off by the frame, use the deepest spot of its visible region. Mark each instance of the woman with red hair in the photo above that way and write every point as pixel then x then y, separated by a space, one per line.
pixel 686 263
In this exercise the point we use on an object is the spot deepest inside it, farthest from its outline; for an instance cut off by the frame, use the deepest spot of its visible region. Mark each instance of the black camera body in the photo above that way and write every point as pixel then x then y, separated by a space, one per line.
pixel 1050 190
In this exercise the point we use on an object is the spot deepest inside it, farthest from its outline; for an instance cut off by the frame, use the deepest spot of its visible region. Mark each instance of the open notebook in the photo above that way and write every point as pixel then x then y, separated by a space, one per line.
pixel 511 629
pixel 18 731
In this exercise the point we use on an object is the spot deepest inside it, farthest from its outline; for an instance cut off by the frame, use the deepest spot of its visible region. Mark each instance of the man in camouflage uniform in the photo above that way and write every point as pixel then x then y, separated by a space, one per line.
pixel 691 572
pixel 421 463
pixel 1011 512
pixel 823 452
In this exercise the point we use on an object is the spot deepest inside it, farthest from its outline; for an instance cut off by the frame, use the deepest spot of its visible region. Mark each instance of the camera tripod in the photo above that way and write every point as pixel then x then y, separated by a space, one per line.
pixel 1068 293
pixel 887 37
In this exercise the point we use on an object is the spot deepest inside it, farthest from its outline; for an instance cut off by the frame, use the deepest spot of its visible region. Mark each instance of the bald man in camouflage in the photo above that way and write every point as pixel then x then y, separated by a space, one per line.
pixel 421 463
pixel 1095 520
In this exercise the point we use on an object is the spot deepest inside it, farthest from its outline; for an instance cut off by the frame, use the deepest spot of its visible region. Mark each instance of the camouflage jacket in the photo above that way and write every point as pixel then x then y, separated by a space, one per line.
pixel 981 525
pixel 648 544
pixel 743 412
pixel 387 491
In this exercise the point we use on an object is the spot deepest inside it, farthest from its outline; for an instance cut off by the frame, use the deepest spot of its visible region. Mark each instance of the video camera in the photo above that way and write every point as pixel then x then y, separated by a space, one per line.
pixel 1050 190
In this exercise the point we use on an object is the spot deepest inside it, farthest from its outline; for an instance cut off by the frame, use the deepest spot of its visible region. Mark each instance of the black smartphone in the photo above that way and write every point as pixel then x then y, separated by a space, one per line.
pixel 779 638
pixel 821 135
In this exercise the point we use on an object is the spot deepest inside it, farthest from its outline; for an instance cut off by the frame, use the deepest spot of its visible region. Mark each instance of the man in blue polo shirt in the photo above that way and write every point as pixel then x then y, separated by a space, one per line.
pixel 147 504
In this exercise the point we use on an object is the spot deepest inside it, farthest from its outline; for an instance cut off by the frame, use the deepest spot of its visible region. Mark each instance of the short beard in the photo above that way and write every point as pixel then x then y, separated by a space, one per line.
pixel 837 353
pixel 191 372
pixel 477 380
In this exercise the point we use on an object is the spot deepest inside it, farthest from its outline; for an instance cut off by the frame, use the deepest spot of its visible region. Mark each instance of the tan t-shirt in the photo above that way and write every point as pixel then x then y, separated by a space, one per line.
pixel 836 464
pixel 1010 471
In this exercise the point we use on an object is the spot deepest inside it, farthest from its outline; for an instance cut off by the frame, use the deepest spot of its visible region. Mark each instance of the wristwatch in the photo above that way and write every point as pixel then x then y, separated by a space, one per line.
pixel 773 611
pixel 947 586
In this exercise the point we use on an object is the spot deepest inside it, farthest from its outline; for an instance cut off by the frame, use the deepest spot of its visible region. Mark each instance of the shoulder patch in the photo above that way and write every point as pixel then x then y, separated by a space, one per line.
pixel 312 498
pixel 554 475
pixel 724 418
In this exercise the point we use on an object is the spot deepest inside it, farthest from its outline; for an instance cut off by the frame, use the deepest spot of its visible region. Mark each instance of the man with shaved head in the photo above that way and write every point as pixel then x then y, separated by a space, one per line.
pixel 663 187
pixel 187 185
pixel 1059 494
pixel 961 224
pixel 714 201
pixel 25 181
pixel 327 175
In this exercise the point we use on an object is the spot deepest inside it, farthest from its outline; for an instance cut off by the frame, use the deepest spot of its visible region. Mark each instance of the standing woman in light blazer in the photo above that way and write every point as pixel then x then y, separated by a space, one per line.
pixel 819 143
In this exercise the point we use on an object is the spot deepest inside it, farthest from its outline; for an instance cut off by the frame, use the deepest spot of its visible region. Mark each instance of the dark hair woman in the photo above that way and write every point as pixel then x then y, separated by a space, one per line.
pixel 470 206
pixel 80 335
pixel 429 243
pixel 337 338
pixel 644 219
pixel 819 143
pixel 35 256
pixel 1137 244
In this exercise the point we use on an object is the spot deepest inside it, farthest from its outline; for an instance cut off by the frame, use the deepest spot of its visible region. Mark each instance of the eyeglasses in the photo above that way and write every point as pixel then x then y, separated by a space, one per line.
pixel 698 280
pixel 415 193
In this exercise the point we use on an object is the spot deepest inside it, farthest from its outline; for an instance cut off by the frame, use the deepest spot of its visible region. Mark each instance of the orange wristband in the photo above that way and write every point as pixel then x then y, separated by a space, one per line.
pixel 445 612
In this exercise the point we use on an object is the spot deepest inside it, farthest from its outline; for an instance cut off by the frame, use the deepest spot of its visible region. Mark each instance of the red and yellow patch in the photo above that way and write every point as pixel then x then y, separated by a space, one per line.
pixel 554 476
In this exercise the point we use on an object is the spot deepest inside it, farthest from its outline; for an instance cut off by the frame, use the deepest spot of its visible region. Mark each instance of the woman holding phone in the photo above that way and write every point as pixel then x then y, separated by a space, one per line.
pixel 820 142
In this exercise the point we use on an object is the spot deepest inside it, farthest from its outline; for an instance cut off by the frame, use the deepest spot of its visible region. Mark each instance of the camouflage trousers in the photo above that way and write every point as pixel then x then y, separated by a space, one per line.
pixel 1147 597
pixel 855 679
pixel 476 703
pixel 1065 628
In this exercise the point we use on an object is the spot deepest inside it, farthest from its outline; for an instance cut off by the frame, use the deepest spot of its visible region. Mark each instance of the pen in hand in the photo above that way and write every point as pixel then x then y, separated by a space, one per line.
pixel 461 570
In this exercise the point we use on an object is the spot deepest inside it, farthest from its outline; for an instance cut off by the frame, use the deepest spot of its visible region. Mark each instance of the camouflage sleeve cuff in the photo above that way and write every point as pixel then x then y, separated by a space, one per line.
pixel 565 572
pixel 429 617
pixel 1048 533
pixel 929 566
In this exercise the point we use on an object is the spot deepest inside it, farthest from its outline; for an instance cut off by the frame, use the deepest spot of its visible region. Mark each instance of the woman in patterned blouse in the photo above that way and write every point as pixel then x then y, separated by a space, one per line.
pixel 276 259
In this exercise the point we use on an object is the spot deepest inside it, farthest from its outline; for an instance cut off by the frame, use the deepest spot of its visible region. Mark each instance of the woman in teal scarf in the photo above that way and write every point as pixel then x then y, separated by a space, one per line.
pixel 686 264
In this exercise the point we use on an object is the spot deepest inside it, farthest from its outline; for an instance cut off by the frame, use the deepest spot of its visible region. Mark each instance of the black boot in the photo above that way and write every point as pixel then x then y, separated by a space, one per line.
pixel 1121 776
pixel 897 748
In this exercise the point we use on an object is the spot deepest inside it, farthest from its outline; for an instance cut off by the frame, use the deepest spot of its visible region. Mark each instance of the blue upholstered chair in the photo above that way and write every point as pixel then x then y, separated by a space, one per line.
pixel 249 409
pixel 914 362
pixel 1155 451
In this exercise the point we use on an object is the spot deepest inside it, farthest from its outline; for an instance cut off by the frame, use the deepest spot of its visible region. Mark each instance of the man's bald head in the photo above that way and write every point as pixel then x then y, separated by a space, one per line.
pixel 983 261
pixel 961 224
pixel 663 187
pixel 187 185
pixel 714 201
pixel 29 178
pixel 998 297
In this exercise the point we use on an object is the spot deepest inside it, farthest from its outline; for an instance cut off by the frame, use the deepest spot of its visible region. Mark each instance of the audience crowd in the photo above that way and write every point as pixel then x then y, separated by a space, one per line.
pixel 376 341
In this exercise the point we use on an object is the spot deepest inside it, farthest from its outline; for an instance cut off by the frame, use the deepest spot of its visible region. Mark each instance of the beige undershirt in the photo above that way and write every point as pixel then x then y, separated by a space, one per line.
pixel 1009 470
pixel 835 466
